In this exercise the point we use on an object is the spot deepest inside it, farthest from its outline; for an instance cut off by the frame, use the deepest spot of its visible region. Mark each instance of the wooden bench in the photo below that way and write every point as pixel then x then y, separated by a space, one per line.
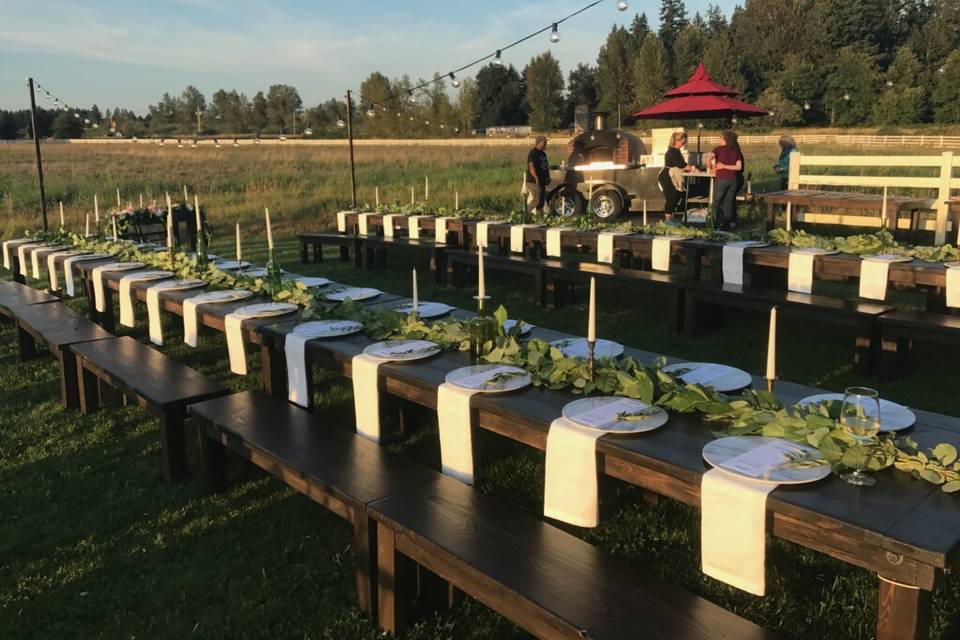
pixel 846 200
pixel 545 580
pixel 900 328
pixel 162 385
pixel 333 467
pixel 862 316
pixel 562 276
pixel 374 250
pixel 314 243
pixel 14 295
pixel 59 328
pixel 462 264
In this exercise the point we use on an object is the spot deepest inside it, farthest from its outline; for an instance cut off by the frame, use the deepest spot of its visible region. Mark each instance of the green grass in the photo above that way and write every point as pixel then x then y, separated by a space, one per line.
pixel 94 545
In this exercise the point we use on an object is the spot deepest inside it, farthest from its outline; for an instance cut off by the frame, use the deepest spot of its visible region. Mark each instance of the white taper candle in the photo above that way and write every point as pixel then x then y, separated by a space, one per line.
pixel 772 346
pixel 96 210
pixel 416 298
pixel 482 280
pixel 239 247
pixel 62 221
pixel 196 211
pixel 169 224
pixel 113 219
pixel 266 213
pixel 86 233
pixel 119 206
pixel 592 317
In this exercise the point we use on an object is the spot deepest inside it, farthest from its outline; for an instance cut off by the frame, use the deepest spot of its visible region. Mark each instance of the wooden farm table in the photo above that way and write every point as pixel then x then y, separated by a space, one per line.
pixel 455 226
pixel 843 200
pixel 906 531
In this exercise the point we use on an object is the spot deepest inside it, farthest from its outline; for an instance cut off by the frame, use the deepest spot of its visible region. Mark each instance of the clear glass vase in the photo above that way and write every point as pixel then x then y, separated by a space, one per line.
pixel 483 330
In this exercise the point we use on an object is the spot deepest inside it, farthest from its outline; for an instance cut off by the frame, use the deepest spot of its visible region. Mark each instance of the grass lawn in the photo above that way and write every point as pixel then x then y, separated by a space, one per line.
pixel 94 545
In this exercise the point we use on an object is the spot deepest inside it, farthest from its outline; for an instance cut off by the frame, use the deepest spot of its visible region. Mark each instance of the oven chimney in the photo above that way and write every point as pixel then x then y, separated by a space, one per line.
pixel 600 120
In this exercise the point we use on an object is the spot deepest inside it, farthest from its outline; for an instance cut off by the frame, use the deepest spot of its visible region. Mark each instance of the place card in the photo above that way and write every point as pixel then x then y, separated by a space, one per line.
pixel 607 413
pixel 480 380
pixel 704 374
pixel 758 462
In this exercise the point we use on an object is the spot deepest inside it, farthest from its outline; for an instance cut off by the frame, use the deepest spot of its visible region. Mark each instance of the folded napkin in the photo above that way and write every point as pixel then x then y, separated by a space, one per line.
pixel 342 221
pixel 190 320
pixel 52 269
pixel 517 243
pixel 413 226
pixel 440 233
pixel 733 263
pixel 35 259
pixel 483 234
pixel 553 241
pixel 800 272
pixel 297 371
pixel 126 296
pixel 362 223
pixel 605 251
pixel 570 482
pixel 366 395
pixel 7 245
pixel 953 287
pixel 456 443
pixel 661 253
pixel 68 277
pixel 99 302
pixel 732 530
pixel 154 320
pixel 232 325
pixel 22 255
pixel 873 279
pixel 388 230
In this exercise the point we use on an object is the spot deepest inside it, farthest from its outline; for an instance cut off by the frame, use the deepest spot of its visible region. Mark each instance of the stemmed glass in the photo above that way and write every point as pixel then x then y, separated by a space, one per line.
pixel 860 417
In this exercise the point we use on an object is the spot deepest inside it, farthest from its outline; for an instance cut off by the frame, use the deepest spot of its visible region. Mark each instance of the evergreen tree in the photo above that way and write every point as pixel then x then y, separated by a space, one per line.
pixel 801 82
pixel 258 112
pixel 716 21
pixel 639 29
pixel 688 51
pixel 499 96
pixel 724 62
pixel 283 107
pixel 467 107
pixel 784 112
pixel 946 93
pixel 378 90
pixel 582 90
pixel 673 18
pixel 613 73
pixel 544 84
pixel 64 126
pixel 864 23
pixel 650 73
pixel 191 102
pixel 851 88
pixel 902 100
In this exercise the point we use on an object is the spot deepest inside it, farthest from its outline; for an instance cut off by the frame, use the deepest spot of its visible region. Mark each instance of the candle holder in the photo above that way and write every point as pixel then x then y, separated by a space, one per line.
pixel 771 383
pixel 482 329
pixel 274 273
pixel 591 359
pixel 201 248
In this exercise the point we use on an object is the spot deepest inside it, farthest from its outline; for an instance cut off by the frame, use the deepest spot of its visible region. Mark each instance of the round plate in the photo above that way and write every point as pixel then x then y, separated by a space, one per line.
pixel 425 309
pixel 747 244
pixel 893 416
pixel 887 257
pixel 718 453
pixel 210 256
pixel 230 265
pixel 577 348
pixel 525 328
pixel 255 272
pixel 328 328
pixel 721 377
pixel 952 265
pixel 73 252
pixel 355 294
pixel 608 413
pixel 817 251
pixel 150 275
pixel 402 350
pixel 266 309
pixel 229 295
pixel 310 282
pixel 91 256
pixel 482 378
pixel 178 285
pixel 121 266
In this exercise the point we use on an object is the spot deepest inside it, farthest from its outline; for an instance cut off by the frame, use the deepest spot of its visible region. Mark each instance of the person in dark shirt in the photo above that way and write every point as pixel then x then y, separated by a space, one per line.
pixel 787 146
pixel 673 159
pixel 538 175
pixel 726 161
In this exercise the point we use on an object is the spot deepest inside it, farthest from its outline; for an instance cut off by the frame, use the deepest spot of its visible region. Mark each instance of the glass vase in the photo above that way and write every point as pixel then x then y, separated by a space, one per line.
pixel 483 329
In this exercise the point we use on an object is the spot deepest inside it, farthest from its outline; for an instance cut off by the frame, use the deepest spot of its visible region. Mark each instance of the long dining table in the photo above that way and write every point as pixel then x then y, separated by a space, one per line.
pixel 906 531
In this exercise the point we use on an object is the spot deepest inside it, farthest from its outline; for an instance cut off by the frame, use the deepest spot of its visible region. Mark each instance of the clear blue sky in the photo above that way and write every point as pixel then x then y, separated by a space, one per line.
pixel 121 53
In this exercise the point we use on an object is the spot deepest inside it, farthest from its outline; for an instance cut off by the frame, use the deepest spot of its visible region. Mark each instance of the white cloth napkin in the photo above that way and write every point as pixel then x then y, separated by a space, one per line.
pixel 733 263
pixel 98 298
pixel 6 250
pixel 570 482
pixel 342 221
pixel 35 259
pixel 52 269
pixel 553 241
pixel 366 395
pixel 295 350
pixel 154 320
pixel 68 276
pixel 661 253
pixel 873 279
pixel 517 244
pixel 456 442
pixel 483 234
pixel 413 226
pixel 22 255
pixel 953 287
pixel 388 230
pixel 800 272
pixel 190 320
pixel 440 232
pixel 605 241
pixel 232 325
pixel 126 298
pixel 733 530
pixel 362 223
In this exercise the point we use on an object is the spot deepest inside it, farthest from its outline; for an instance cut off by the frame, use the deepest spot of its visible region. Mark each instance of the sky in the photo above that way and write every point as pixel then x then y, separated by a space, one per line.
pixel 122 53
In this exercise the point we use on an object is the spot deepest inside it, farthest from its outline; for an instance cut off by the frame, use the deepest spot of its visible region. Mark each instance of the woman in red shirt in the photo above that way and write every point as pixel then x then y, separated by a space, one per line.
pixel 726 161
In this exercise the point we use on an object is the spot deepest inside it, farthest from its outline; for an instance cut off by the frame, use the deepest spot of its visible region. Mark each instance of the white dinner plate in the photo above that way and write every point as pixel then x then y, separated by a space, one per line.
pixel 354 293
pixel 121 266
pixel 525 328
pixel 614 414
pixel 721 377
pixel 403 350
pixel 483 378
pixel 228 295
pixel 179 285
pixel 266 309
pixel 253 272
pixel 817 251
pixel 328 328
pixel 893 416
pixel 311 282
pixel 230 265
pixel 146 276
pixel 425 309
pixel 718 453
pixel 577 348
pixel 887 257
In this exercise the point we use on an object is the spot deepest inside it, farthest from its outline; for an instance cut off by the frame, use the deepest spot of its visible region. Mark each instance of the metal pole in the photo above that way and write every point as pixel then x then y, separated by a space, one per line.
pixel 353 172
pixel 36 146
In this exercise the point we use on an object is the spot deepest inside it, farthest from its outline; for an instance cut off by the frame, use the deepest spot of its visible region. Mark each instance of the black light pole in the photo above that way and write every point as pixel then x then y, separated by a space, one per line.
pixel 353 173
pixel 36 145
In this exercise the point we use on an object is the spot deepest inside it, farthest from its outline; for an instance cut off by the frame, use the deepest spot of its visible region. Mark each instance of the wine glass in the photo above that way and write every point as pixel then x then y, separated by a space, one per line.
pixel 860 417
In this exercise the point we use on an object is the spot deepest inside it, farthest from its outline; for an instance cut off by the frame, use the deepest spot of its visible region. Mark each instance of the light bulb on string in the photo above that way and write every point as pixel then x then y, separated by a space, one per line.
pixel 340 123
pixel 555 34
pixel 371 112
pixel 497 60
pixel 426 122
pixel 76 115
pixel 96 126
pixel 940 70
pixel 86 121
pixel 622 5
pixel 806 106
pixel 846 97
pixel 889 83
pixel 308 131
pixel 454 81
pixel 412 99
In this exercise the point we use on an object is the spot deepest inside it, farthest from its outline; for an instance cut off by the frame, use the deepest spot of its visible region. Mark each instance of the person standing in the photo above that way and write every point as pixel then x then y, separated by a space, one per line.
pixel 671 176
pixel 726 162
pixel 538 175
pixel 787 146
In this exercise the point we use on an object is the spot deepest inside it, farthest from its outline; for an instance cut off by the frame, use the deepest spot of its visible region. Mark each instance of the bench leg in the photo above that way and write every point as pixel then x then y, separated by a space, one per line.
pixel 318 253
pixel 903 613
pixel 438 263
pixel 344 253
pixel 365 548
pixel 69 388
pixel 381 258
pixel 172 443
pixel 26 346
pixel 394 574
pixel 357 254
pixel 273 367
pixel 675 317
pixel 88 389
pixel 539 288
pixel 304 254
pixel 212 462
pixel 867 347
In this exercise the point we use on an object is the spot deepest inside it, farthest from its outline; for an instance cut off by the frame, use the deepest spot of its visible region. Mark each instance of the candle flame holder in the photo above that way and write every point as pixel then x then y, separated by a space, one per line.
pixel 591 359
pixel 771 383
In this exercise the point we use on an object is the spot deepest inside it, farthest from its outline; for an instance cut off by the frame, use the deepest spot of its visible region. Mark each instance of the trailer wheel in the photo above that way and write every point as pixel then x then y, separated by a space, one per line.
pixel 607 204
pixel 567 203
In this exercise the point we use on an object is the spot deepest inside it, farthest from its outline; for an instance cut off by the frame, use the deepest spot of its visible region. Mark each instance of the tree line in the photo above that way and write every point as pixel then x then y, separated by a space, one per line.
pixel 810 62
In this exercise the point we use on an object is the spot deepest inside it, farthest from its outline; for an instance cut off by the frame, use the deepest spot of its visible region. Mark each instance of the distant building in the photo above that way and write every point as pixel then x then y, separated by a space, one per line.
pixel 509 131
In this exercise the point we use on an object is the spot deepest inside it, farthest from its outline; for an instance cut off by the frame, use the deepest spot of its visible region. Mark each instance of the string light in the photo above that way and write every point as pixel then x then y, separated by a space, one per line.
pixel 846 97
pixel 496 59
pixel 555 34
pixel 371 112
pixel 622 5
pixel 341 123
pixel 454 81
pixel 806 106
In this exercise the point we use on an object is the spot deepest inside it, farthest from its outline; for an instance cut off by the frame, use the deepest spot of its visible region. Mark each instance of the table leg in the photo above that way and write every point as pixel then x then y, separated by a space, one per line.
pixel 212 461
pixel 365 548
pixel 26 346
pixel 88 389
pixel 273 368
pixel 173 444
pixel 317 252
pixel 69 393
pixel 393 577
pixel 903 611
pixel 304 252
